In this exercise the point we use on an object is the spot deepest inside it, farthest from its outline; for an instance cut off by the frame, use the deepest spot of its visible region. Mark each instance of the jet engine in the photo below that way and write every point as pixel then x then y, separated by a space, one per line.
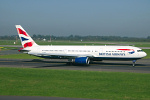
pixel 82 60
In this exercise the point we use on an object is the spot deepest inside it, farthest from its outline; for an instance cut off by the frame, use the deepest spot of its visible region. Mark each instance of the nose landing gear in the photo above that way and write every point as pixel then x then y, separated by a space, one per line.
pixel 134 61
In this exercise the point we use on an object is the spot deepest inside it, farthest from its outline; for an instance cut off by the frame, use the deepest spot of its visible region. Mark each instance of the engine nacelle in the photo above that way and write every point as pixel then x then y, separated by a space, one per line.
pixel 82 60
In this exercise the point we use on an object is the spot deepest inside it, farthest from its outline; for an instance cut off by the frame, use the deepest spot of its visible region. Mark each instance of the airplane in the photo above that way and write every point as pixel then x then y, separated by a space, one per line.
pixel 78 54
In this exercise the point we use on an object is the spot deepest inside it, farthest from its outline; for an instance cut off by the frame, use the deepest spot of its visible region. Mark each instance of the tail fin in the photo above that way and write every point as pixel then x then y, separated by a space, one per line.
pixel 26 40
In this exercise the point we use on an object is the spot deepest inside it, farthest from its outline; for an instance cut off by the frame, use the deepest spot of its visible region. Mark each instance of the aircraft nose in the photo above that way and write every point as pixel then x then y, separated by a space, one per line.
pixel 144 54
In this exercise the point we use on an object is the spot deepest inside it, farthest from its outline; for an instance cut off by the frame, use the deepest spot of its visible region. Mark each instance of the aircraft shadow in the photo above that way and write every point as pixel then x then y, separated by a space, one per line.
pixel 115 63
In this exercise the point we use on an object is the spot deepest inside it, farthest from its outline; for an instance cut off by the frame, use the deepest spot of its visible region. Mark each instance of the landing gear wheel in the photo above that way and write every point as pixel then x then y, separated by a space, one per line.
pixel 134 61
pixel 88 61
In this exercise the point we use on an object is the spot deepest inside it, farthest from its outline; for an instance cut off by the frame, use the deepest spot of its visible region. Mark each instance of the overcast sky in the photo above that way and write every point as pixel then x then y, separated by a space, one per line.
pixel 129 18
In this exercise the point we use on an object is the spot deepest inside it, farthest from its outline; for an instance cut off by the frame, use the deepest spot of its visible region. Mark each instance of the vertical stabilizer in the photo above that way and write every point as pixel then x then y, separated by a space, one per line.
pixel 26 40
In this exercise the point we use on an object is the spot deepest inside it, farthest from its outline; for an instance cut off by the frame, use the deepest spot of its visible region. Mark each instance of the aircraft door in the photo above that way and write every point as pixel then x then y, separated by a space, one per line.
pixel 65 51
pixel 100 51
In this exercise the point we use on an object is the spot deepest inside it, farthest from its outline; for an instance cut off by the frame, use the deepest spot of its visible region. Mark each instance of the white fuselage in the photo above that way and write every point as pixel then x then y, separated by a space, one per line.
pixel 93 52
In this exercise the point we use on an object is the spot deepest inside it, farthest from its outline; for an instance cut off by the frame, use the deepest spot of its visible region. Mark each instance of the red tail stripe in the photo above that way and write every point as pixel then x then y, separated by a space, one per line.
pixel 29 44
pixel 22 32
pixel 126 49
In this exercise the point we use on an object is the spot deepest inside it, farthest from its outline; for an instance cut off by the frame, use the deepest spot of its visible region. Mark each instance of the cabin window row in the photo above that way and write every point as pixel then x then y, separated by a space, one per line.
pixel 68 50
pixel 78 50
pixel 53 50
pixel 115 51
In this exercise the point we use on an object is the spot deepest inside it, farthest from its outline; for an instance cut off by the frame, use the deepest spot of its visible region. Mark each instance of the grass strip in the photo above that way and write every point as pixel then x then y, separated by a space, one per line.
pixel 74 84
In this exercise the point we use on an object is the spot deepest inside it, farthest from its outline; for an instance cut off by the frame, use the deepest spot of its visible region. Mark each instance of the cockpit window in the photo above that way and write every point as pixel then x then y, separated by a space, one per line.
pixel 139 50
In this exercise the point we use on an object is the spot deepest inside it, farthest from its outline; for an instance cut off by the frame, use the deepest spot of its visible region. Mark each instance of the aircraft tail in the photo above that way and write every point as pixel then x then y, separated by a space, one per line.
pixel 26 40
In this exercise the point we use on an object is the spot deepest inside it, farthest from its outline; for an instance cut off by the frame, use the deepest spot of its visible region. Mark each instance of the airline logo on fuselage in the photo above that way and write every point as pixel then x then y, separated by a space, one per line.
pixel 131 51
pixel 112 54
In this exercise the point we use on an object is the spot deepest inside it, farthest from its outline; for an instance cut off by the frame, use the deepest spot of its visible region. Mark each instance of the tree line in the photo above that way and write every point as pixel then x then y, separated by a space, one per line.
pixel 80 38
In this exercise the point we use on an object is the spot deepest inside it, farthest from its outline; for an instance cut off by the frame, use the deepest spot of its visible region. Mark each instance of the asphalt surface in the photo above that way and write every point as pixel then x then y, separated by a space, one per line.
pixel 142 65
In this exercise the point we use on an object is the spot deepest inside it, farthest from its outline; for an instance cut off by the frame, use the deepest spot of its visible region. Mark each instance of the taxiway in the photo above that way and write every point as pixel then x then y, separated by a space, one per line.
pixel 142 65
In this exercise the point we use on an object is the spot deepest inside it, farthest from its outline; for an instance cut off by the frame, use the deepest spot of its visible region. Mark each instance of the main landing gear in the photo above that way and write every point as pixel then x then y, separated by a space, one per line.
pixel 134 61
